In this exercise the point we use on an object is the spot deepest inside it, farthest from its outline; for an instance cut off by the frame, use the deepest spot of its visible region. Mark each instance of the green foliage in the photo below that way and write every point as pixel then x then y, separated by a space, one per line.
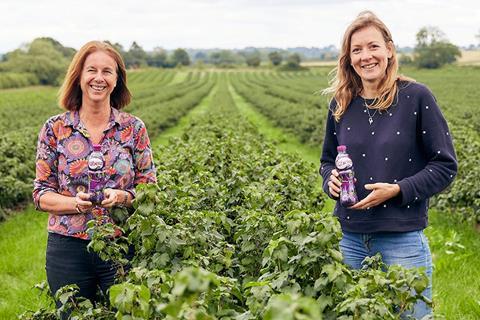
pixel 45 58
pixel 405 60
pixel 292 307
pixel 275 57
pixel 158 58
pixel 180 57
pixel 131 301
pixel 17 168
pixel 382 296
pixel 433 50
pixel 253 59
pixel 136 57
pixel 17 80
pixel 296 112
pixel 224 59
pixel 292 63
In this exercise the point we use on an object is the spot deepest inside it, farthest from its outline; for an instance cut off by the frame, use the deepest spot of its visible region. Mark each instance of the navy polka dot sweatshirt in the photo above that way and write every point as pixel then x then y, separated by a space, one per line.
pixel 408 144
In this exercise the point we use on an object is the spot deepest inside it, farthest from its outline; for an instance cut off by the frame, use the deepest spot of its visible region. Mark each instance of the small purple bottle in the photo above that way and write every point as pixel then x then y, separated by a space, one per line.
pixel 96 174
pixel 348 195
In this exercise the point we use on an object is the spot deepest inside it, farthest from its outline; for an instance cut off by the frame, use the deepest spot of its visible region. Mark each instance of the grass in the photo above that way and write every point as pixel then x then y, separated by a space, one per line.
pixel 454 245
pixel 456 275
pixel 23 239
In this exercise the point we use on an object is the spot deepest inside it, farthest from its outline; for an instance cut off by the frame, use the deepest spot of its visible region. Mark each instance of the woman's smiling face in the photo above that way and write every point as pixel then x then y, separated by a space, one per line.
pixel 369 54
pixel 99 77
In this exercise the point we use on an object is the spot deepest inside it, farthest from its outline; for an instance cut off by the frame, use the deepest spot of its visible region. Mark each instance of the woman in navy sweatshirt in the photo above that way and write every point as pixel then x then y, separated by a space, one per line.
pixel 400 145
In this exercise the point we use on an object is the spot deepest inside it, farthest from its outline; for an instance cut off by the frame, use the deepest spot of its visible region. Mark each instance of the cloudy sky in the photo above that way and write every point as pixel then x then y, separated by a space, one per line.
pixel 226 24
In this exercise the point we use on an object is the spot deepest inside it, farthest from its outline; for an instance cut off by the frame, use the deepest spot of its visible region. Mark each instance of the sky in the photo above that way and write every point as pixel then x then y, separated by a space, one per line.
pixel 226 24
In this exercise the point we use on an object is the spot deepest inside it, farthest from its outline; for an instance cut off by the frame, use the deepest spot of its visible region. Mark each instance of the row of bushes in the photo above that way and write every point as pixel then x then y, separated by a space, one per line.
pixel 301 118
pixel 17 80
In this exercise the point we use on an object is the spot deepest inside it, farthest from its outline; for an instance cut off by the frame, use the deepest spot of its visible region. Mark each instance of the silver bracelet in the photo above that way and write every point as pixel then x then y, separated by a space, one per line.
pixel 125 199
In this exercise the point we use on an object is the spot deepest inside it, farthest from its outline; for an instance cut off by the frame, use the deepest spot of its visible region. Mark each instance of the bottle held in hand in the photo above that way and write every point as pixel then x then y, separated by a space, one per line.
pixel 96 174
pixel 344 165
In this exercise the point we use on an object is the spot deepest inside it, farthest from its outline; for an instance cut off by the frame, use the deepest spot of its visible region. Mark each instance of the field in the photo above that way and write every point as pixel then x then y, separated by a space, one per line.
pixel 471 57
pixel 238 210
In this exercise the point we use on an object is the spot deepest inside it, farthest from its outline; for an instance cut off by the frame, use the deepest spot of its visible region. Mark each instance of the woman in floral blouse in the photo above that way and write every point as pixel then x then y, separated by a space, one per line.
pixel 94 91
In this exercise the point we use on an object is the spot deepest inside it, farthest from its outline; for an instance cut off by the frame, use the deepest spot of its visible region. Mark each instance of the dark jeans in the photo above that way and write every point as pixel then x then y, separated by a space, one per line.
pixel 69 262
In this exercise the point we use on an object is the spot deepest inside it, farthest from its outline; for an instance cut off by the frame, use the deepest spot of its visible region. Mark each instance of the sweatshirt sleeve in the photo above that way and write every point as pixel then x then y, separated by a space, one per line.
pixel 329 151
pixel 437 147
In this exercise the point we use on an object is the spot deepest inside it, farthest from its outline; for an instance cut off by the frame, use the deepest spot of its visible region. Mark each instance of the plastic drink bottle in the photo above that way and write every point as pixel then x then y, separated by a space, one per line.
pixel 348 195
pixel 96 174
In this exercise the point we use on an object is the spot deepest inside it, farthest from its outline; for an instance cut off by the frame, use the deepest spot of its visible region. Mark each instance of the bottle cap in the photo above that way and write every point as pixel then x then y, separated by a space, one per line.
pixel 341 148
pixel 97 147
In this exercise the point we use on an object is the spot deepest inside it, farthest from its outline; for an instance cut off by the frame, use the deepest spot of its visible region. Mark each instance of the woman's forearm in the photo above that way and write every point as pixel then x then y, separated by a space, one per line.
pixel 56 203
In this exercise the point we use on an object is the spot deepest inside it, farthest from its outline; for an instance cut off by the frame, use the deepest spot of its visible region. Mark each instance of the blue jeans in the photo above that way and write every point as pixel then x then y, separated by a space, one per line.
pixel 408 249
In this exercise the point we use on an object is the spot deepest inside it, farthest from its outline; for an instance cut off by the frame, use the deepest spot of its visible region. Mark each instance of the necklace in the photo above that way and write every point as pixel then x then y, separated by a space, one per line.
pixel 370 116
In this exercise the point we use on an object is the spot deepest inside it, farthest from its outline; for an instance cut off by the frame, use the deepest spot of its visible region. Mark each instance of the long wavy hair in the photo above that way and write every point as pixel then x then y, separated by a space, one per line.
pixel 346 84
pixel 70 94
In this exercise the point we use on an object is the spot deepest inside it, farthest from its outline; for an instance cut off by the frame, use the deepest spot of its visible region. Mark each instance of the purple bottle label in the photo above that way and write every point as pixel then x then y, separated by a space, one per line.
pixel 348 196
pixel 96 175
pixel 344 164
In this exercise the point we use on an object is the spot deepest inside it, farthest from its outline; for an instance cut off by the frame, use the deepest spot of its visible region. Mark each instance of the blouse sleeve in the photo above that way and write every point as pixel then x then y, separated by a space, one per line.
pixel 437 146
pixel 46 173
pixel 329 151
pixel 143 159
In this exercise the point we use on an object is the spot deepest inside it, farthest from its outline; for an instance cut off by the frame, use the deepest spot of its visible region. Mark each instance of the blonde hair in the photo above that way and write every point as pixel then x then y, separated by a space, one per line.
pixel 70 94
pixel 346 84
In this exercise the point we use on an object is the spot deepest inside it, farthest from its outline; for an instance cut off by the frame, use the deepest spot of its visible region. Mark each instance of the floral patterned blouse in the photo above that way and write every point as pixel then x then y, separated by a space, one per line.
pixel 61 164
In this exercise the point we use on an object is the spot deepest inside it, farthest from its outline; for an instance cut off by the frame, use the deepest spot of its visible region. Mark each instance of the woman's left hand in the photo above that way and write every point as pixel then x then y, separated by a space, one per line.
pixel 113 197
pixel 381 193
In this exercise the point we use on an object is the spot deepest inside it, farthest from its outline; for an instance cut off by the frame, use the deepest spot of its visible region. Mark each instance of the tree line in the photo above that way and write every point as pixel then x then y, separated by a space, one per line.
pixel 44 60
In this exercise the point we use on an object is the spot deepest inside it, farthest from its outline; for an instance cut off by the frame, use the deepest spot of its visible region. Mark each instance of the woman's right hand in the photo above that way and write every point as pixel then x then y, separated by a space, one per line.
pixel 334 184
pixel 82 202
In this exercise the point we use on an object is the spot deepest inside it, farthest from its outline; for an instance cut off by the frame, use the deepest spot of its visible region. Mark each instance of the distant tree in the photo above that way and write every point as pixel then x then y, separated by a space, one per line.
pixel 45 58
pixel 275 57
pixel 157 58
pixel 433 50
pixel 117 46
pixel 67 52
pixel 200 56
pixel 292 63
pixel 136 57
pixel 224 58
pixel 253 58
pixel 293 60
pixel 405 60
pixel 180 57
